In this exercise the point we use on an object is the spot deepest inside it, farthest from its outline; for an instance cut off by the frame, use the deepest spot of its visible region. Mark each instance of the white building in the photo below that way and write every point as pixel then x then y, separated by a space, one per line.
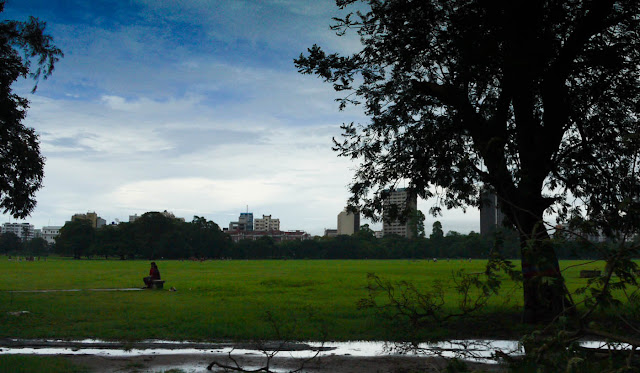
pixel 399 201
pixel 266 224
pixel 348 222
pixel 24 231
pixel 49 233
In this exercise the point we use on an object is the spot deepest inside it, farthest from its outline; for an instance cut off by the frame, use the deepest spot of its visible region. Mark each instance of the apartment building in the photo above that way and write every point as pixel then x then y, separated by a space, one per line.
pixel 24 231
pixel 266 224
pixel 244 223
pixel 397 202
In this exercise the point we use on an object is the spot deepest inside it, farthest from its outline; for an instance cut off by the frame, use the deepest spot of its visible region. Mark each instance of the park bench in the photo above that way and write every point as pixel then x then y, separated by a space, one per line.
pixel 586 273
pixel 157 284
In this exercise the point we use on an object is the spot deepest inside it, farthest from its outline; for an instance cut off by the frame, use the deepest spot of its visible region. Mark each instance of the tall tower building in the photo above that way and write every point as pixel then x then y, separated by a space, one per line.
pixel 491 217
pixel 348 222
pixel 399 200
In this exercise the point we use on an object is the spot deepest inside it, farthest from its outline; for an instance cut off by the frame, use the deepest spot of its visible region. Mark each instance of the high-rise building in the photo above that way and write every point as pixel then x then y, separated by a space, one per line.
pixel 266 224
pixel 24 231
pixel 244 223
pixel 402 202
pixel 348 222
pixel 491 216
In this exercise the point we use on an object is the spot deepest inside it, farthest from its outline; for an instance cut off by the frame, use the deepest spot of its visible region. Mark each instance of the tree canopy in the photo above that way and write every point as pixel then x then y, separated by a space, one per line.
pixel 26 51
pixel 537 100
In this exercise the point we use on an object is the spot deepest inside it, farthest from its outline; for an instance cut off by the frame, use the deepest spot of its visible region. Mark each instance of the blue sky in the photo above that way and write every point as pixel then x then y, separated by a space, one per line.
pixel 191 106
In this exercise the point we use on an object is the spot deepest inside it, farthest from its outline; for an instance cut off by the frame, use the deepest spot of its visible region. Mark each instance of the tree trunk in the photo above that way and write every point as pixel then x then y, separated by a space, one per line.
pixel 543 285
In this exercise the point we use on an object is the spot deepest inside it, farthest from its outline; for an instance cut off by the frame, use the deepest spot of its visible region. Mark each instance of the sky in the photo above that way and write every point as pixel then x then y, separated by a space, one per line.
pixel 194 107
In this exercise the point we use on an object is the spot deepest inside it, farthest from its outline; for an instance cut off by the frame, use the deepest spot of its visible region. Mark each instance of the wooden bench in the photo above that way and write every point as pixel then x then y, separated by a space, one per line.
pixel 157 284
pixel 586 273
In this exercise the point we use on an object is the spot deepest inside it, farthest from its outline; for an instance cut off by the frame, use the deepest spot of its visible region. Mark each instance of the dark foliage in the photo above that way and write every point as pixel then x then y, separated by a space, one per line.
pixel 25 52
pixel 10 243
pixel 152 236
pixel 536 100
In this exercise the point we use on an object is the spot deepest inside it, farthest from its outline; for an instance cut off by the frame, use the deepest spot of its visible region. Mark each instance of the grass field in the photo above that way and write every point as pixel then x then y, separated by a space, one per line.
pixel 221 300
pixel 30 364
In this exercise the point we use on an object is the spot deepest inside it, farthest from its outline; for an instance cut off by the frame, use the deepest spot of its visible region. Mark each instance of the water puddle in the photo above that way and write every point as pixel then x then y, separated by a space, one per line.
pixel 71 290
pixel 479 351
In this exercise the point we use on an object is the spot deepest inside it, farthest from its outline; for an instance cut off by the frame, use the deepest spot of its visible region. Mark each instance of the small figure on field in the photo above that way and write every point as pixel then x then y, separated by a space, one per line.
pixel 154 274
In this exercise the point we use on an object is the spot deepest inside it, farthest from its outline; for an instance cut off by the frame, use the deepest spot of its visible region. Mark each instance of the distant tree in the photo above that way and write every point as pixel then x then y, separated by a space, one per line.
pixel 76 238
pixel 152 230
pixel 22 45
pixel 436 231
pixel 108 240
pixel 36 246
pixel 536 99
pixel 10 243
pixel 365 232
pixel 207 239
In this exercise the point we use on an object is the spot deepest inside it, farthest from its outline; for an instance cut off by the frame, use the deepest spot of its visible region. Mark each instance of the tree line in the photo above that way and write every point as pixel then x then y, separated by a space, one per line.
pixel 155 236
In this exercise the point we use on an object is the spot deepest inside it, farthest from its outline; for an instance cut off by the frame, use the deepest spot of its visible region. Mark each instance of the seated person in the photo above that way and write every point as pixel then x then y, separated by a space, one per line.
pixel 154 274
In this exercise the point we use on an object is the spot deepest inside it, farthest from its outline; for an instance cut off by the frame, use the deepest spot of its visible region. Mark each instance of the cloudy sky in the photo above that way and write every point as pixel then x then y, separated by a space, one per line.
pixel 191 106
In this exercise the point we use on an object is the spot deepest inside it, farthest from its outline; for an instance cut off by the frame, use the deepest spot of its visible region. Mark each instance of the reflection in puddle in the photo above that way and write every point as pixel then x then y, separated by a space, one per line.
pixel 475 350
pixel 71 290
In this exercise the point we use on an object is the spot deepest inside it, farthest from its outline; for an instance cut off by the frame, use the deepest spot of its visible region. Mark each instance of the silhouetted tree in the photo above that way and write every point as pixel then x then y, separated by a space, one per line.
pixel 76 238
pixel 436 231
pixel 206 238
pixel 10 243
pixel 416 223
pixel 36 246
pixel 536 99
pixel 25 51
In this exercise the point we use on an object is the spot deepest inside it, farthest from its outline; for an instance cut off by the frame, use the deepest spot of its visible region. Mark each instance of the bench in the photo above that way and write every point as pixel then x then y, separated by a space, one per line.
pixel 157 284
pixel 590 273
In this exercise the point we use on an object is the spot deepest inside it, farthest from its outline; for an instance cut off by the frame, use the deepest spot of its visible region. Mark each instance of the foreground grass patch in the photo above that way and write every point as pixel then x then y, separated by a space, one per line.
pixel 30 364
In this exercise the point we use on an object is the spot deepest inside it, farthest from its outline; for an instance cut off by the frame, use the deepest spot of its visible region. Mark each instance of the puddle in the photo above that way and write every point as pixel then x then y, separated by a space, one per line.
pixel 479 350
pixel 473 350
pixel 70 290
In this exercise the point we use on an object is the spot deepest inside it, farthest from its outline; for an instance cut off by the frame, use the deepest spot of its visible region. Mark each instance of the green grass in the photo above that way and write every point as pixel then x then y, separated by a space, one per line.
pixel 29 364
pixel 221 300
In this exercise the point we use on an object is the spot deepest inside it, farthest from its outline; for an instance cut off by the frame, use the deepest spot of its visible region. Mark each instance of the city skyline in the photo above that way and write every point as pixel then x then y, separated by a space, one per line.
pixel 194 108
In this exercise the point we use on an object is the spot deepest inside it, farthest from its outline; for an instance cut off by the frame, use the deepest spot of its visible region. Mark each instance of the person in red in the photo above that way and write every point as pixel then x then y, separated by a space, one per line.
pixel 154 274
